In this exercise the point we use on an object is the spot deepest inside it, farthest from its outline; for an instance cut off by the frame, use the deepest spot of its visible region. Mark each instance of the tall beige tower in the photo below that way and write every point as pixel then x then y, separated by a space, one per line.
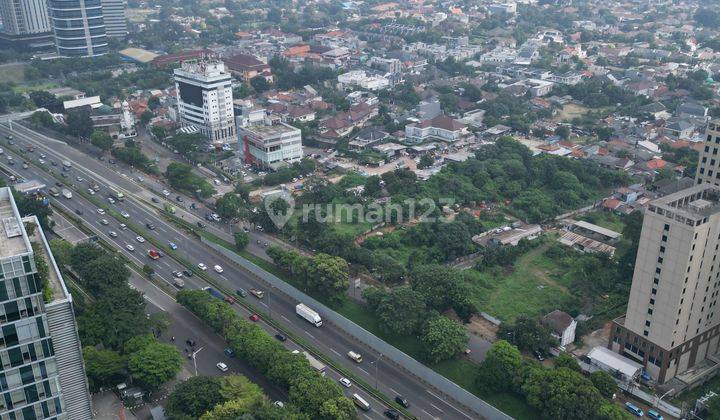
pixel 671 324
pixel 708 170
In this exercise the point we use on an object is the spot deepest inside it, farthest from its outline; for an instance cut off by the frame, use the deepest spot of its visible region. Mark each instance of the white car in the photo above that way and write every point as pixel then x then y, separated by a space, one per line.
pixel 345 382
pixel 101 211
pixel 166 193
pixel 79 179
pixel 123 226
pixel 104 222
pixel 130 247
pixel 222 366
pixel 113 234
pixel 218 269
pixel 141 179
pixel 91 191
pixel 125 214
pixel 202 266
pixel 140 239
pixel 111 200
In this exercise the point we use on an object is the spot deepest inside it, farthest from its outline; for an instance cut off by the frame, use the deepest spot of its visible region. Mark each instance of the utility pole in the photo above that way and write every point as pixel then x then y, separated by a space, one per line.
pixel 194 360
pixel 376 370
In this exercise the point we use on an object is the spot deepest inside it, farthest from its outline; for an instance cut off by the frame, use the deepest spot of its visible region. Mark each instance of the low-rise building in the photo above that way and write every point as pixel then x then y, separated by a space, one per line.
pixel 441 127
pixel 363 80
pixel 271 146
pixel 562 326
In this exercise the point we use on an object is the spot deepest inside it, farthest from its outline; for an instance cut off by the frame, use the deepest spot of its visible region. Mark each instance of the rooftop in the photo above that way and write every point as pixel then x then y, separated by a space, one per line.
pixel 695 203
pixel 13 239
pixel 272 130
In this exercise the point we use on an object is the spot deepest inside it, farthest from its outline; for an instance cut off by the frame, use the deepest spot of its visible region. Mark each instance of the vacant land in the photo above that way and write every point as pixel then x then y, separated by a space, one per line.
pixel 12 72
pixel 570 111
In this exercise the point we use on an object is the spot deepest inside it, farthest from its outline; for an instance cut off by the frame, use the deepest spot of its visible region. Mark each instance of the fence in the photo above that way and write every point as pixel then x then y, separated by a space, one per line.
pixel 397 357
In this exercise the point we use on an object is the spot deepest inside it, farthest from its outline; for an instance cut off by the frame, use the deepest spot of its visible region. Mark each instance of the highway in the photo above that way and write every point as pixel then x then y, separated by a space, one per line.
pixel 330 340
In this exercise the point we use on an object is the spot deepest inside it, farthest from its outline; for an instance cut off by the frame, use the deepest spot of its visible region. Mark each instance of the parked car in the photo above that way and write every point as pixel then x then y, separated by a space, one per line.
pixel 402 401
pixel 222 366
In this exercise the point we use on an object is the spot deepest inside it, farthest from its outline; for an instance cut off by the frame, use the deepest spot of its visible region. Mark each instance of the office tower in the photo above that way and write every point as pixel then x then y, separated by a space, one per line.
pixel 79 27
pixel 670 324
pixel 204 98
pixel 708 170
pixel 42 374
pixel 26 24
pixel 114 17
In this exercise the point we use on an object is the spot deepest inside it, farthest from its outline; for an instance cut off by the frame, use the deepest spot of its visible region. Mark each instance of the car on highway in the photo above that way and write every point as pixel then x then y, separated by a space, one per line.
pixel 9 137
pixel 201 225
pixel 113 234
pixel 254 318
pixel 222 366
pixel 402 401
pixel 187 273
pixel 130 247
pixel 53 163
pixel 25 165
pixel 172 245
pixel 101 211
pixel 125 214
pixel 165 193
pixel 391 413
pixel 218 269
pixel 77 178
pixel 229 352
pixel 111 200
pixel 281 337
pixel 241 292
pixel 41 161
pixel 150 226
pixel 155 200
pixel 42 156
pixel 90 191
pixel 140 239
pixel 345 382
pixel 179 199
pixel 104 222
pixel 123 226
pixel 202 266
pixel 79 212
pixel 176 274
pixel 141 179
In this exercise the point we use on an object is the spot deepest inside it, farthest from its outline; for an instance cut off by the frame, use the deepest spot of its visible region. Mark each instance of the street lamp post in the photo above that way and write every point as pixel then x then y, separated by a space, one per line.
pixel 194 360
pixel 375 363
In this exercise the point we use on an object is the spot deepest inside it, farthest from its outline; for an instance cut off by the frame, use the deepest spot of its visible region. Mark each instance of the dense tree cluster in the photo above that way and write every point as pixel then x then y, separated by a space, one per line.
pixel 561 392
pixel 309 393
pixel 181 176
pixel 288 78
pixel 304 167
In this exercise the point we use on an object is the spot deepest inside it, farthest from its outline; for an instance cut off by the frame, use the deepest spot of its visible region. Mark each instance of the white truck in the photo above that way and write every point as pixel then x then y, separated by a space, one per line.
pixel 315 363
pixel 67 193
pixel 308 314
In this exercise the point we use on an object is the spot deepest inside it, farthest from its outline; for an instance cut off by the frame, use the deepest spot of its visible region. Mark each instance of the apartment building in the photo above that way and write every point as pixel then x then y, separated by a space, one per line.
pixel 42 374
pixel 79 27
pixel 25 24
pixel 670 326
pixel 708 170
pixel 205 101
pixel 271 146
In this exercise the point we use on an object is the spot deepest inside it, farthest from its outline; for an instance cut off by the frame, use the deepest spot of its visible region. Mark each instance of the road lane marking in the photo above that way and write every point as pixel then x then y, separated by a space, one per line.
pixel 333 350
pixel 284 317
pixel 365 371
pixel 311 336
pixel 366 416
pixel 263 304
pixel 437 408
pixel 428 414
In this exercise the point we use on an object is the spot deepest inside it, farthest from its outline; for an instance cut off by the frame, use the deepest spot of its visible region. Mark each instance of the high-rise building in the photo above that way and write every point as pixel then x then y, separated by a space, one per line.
pixel 79 27
pixel 42 374
pixel 670 325
pixel 204 98
pixel 26 24
pixel 708 170
pixel 115 18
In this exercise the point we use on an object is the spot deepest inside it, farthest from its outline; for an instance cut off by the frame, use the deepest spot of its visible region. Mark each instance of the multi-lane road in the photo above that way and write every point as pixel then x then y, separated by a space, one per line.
pixel 392 380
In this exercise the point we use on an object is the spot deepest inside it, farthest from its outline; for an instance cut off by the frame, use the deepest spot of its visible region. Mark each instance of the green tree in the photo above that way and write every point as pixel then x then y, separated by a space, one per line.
pixel 61 250
pixel 101 140
pixel 242 240
pixel 401 311
pixel 565 360
pixel 426 161
pixel 260 84
pixel 159 132
pixel 329 275
pixel 160 322
pixel 309 395
pixel 104 273
pixel 194 397
pixel 146 116
pixel 104 368
pixel 563 132
pixel 443 339
pixel 499 368
pixel 238 387
pixel 562 394
pixel 114 318
pixel 604 383
pixel 180 176
pixel 154 365
pixel 527 334
pixel 610 411
pixel 45 99
pixel 42 118
pixel 79 123
pixel 229 206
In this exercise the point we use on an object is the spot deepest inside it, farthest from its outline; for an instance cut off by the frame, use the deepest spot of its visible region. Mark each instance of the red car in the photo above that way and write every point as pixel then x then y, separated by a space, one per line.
pixel 254 317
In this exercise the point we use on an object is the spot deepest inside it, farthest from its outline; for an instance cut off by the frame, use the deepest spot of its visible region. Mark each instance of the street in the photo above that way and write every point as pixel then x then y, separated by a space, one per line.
pixel 333 342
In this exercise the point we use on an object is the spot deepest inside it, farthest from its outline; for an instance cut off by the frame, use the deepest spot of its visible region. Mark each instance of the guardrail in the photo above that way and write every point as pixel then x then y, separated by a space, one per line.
pixel 426 375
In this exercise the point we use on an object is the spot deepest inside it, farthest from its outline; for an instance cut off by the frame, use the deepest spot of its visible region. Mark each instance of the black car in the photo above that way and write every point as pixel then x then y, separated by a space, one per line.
pixel 59 184
pixel 190 342
pixel 179 199
pixel 241 292
pixel 150 226
pixel 201 225
pixel 280 337
pixel 188 273
pixel 113 161
pixel 392 414
pixel 79 212
pixel 539 355
pixel 155 200
pixel 402 401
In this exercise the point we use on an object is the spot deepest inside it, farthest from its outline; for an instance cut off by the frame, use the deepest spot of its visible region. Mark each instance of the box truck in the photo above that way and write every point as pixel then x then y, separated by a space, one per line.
pixel 308 314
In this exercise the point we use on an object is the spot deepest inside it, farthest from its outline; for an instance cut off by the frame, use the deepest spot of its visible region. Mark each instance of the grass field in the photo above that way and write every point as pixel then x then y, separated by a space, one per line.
pixel 12 72
pixel 533 287
pixel 570 111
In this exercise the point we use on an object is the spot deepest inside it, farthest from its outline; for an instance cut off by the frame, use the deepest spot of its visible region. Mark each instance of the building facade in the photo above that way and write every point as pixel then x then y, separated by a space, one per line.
pixel 26 24
pixel 271 146
pixel 708 170
pixel 42 374
pixel 205 101
pixel 115 18
pixel 670 325
pixel 79 27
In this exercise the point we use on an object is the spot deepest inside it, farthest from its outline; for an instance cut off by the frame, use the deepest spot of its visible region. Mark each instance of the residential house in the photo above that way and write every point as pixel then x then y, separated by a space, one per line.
pixel 441 127
pixel 562 326
pixel 246 67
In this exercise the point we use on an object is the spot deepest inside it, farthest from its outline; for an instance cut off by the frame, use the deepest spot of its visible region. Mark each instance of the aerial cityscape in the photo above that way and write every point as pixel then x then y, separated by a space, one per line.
pixel 361 209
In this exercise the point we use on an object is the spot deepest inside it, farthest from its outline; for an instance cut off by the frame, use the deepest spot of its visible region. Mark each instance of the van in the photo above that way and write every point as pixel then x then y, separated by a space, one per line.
pixel 654 415
pixel 357 357
pixel 633 409
pixel 179 283
pixel 360 402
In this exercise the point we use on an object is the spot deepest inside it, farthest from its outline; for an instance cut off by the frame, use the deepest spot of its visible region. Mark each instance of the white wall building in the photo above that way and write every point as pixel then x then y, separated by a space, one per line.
pixel 361 79
pixel 271 146
pixel 204 98
pixel 115 18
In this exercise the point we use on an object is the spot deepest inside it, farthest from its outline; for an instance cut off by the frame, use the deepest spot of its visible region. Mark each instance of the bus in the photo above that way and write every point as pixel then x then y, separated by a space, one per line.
pixel 360 402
